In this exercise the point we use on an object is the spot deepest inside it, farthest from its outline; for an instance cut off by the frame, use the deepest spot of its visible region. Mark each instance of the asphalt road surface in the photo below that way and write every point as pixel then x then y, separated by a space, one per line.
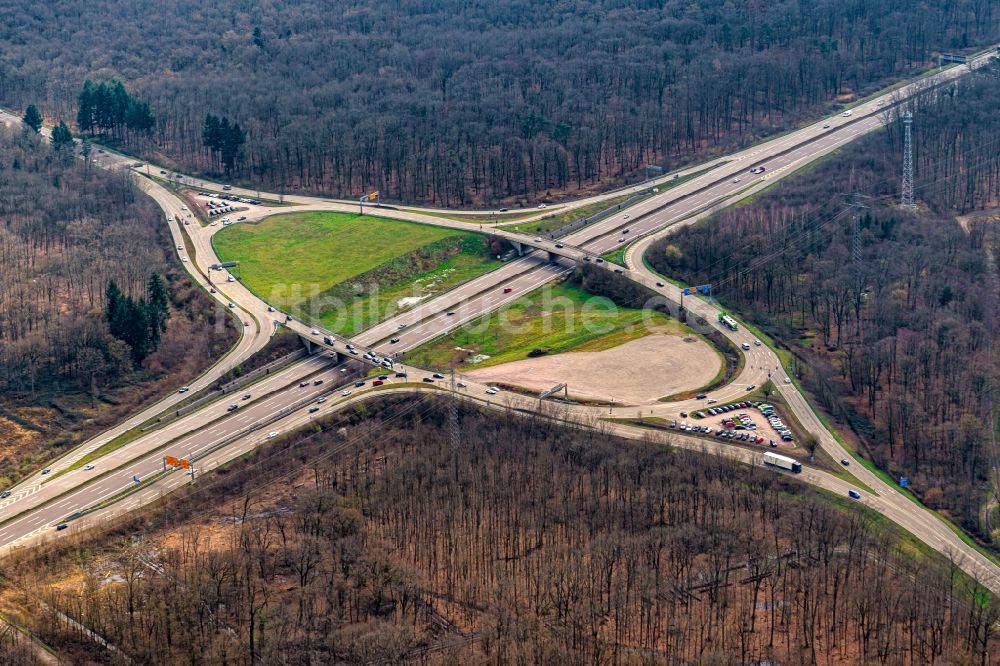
pixel 216 437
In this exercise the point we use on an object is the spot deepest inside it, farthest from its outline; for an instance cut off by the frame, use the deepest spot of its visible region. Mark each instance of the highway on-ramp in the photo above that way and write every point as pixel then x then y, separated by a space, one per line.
pixel 728 180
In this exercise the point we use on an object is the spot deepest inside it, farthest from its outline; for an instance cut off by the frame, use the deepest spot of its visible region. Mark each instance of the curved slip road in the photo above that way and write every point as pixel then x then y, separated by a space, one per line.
pixel 675 206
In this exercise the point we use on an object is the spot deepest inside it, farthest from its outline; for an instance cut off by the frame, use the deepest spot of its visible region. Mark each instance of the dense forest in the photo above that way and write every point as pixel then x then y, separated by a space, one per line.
pixel 895 336
pixel 378 537
pixel 454 102
pixel 68 363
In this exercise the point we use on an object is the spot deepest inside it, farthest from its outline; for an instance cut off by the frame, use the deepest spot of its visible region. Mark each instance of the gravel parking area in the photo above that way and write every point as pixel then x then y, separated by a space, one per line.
pixel 637 372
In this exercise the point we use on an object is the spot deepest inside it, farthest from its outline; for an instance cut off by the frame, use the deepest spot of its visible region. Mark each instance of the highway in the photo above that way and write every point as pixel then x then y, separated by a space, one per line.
pixel 37 506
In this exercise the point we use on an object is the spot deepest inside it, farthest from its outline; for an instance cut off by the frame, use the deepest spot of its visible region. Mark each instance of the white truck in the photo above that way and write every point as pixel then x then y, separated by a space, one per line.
pixel 784 462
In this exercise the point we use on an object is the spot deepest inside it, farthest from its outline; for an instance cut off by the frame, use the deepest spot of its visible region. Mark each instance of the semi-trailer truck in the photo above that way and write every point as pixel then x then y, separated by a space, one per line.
pixel 784 462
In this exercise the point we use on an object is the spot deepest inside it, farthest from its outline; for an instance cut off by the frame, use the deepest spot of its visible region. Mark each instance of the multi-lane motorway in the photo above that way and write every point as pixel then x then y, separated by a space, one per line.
pixel 279 403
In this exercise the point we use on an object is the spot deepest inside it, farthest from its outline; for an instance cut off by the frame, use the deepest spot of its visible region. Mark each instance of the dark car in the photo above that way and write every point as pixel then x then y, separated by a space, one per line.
pixel 438 375
pixel 318 382
pixel 61 526
pixel 313 409
pixel 429 380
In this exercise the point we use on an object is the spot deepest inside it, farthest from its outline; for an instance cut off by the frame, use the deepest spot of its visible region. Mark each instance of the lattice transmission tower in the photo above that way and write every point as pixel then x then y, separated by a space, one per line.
pixel 907 198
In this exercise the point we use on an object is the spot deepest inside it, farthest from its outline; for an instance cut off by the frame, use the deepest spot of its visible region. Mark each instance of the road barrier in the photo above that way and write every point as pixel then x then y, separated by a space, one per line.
pixel 227 388
pixel 579 224
pixel 242 380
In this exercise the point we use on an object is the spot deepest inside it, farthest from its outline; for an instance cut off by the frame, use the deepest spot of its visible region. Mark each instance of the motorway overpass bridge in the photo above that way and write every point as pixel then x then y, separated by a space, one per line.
pixel 553 248
pixel 337 347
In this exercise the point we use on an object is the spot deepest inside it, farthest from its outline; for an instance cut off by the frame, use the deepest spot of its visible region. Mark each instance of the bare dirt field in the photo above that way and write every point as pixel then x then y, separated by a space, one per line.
pixel 637 372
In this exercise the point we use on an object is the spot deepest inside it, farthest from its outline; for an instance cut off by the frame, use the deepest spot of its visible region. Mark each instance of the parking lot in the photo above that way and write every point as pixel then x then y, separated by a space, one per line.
pixel 749 422
pixel 224 208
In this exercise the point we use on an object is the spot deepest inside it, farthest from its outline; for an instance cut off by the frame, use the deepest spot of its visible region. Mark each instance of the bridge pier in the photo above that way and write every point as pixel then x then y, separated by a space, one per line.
pixel 313 347
pixel 308 344
pixel 518 247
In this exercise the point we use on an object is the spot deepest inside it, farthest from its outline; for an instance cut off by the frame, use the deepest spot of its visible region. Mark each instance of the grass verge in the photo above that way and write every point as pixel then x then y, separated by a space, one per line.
pixel 348 271
pixel 286 256
pixel 392 287
pixel 552 319
pixel 556 220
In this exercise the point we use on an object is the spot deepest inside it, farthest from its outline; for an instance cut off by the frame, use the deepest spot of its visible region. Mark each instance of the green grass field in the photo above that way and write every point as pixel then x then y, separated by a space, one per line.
pixel 616 256
pixel 558 319
pixel 487 220
pixel 379 293
pixel 348 271
pixel 561 219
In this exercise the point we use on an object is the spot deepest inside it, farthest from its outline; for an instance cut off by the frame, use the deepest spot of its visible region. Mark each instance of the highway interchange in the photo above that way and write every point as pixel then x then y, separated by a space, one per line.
pixel 279 403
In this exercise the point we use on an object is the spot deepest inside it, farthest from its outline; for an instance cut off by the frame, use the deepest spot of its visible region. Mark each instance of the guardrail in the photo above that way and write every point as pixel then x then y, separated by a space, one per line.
pixel 263 370
pixel 227 388
pixel 579 224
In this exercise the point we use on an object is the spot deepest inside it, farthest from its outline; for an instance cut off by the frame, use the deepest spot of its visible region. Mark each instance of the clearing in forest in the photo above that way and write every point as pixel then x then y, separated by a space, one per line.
pixel 636 372
pixel 350 271
pixel 632 354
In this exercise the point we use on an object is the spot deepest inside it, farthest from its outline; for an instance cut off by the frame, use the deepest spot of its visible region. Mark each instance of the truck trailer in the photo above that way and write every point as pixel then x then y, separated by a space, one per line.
pixel 784 462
